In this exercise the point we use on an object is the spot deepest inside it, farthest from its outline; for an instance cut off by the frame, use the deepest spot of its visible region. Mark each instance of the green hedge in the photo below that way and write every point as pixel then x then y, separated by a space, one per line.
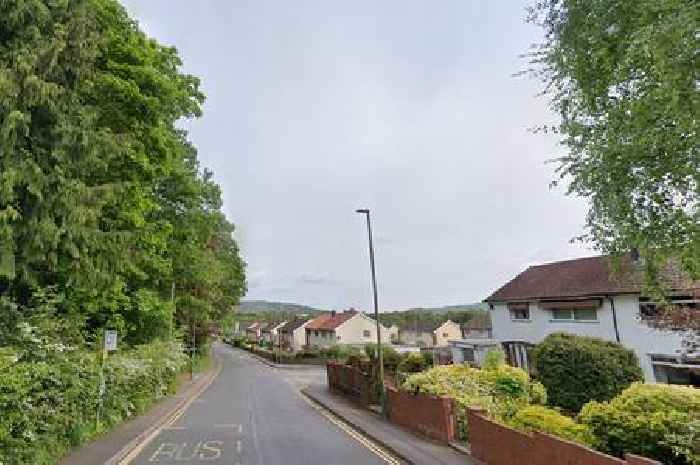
pixel 547 420
pixel 654 420
pixel 48 406
pixel 577 369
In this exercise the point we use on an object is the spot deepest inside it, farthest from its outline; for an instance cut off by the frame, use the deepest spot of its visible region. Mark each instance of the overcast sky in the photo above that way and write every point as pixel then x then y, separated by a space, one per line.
pixel 316 108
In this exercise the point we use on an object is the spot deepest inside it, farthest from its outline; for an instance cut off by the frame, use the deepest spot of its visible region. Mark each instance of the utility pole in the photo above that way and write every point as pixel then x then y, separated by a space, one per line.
pixel 380 357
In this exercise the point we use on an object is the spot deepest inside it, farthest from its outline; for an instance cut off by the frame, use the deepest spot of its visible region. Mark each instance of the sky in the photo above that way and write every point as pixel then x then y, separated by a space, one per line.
pixel 409 108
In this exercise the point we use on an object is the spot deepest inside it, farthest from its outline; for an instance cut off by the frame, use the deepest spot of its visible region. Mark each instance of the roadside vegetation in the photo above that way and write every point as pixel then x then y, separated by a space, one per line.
pixel 107 221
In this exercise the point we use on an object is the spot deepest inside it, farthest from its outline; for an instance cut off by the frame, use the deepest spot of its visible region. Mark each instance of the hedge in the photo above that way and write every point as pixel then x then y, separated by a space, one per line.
pixel 501 391
pixel 547 420
pixel 653 420
pixel 48 406
pixel 576 369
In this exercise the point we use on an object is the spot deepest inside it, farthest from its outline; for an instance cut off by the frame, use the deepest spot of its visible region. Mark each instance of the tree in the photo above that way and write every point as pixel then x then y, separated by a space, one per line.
pixel 102 200
pixel 623 78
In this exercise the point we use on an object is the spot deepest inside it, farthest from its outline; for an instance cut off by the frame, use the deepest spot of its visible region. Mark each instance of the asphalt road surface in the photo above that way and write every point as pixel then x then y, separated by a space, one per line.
pixel 254 415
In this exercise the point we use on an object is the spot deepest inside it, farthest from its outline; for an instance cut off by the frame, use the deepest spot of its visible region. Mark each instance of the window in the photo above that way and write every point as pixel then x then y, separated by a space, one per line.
pixel 316 333
pixel 445 335
pixel 366 333
pixel 574 314
pixel 519 312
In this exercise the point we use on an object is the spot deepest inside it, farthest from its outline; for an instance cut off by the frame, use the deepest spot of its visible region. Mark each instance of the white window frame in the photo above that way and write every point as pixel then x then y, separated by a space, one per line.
pixel 572 318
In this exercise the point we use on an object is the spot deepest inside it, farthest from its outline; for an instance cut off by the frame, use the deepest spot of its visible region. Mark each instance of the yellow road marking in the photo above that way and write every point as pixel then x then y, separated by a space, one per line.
pixel 133 453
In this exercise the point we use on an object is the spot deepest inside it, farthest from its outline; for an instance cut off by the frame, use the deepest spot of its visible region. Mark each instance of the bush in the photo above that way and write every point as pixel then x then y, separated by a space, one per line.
pixel 48 406
pixel 652 420
pixel 547 420
pixel 577 369
pixel 501 391
pixel 390 357
pixel 413 363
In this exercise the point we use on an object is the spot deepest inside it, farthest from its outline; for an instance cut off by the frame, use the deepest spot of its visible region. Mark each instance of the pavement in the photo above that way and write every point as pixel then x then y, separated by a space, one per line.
pixel 405 445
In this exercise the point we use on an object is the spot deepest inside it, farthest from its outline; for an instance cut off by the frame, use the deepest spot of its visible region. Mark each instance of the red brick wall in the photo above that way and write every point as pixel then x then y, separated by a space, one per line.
pixel 430 416
pixel 351 382
pixel 496 444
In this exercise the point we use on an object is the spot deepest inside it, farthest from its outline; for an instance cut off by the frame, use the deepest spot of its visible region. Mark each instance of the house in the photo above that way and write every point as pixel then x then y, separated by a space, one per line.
pixel 349 327
pixel 292 335
pixel 446 331
pixel 598 297
pixel 428 333
pixel 479 327
pixel 419 332
pixel 253 332
pixel 269 332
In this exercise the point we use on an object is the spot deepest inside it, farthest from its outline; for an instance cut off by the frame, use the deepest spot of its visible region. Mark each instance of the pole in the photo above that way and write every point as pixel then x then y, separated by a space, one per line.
pixel 376 309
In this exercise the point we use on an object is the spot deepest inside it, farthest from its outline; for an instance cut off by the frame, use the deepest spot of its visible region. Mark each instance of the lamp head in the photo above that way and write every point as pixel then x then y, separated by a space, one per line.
pixel 362 210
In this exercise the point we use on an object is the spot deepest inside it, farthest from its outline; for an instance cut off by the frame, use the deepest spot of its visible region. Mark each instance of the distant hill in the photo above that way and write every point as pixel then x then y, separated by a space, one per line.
pixel 264 306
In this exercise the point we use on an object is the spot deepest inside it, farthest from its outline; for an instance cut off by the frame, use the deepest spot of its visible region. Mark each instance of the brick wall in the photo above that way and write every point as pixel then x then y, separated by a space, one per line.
pixel 351 382
pixel 430 416
pixel 496 444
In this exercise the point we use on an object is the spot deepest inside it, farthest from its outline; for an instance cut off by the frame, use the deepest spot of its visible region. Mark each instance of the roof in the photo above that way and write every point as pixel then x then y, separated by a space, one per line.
pixel 270 326
pixel 254 326
pixel 583 277
pixel 330 321
pixel 292 325
pixel 420 326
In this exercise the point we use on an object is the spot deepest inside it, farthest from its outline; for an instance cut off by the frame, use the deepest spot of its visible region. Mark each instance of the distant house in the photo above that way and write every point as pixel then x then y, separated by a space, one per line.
pixel 586 297
pixel 349 327
pixel 253 331
pixel 269 332
pixel 292 335
pixel 479 327
pixel 445 332
pixel 418 332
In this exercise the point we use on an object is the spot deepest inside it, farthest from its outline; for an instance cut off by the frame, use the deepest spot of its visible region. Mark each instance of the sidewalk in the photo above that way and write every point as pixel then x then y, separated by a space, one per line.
pixel 407 446
pixel 115 444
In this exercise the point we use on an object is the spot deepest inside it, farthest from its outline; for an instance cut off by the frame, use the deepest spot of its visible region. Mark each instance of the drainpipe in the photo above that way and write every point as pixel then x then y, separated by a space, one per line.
pixel 614 313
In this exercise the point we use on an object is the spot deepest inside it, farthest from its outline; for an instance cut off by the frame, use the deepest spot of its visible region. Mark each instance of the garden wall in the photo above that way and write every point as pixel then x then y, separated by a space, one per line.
pixel 352 382
pixel 430 416
pixel 495 444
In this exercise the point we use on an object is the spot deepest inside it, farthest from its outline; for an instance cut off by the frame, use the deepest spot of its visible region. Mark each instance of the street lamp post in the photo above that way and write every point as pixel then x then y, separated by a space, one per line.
pixel 380 358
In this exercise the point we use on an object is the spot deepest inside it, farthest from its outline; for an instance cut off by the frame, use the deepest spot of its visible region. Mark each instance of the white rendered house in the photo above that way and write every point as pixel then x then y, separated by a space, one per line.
pixel 589 297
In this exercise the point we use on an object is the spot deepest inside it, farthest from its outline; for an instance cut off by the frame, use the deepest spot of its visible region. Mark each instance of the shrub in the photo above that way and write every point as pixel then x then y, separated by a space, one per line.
pixel 390 357
pixel 652 420
pixel 547 420
pixel 49 405
pixel 501 391
pixel 413 363
pixel 577 369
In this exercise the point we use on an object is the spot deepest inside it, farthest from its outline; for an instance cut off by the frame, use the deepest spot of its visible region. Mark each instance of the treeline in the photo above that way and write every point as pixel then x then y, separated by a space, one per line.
pixel 107 218
pixel 426 317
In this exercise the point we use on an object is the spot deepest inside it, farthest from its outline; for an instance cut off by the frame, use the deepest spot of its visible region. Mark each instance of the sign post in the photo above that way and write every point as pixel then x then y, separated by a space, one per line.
pixel 109 344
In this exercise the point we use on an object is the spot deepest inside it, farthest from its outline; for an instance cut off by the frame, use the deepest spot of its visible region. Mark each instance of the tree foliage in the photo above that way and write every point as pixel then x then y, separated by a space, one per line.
pixel 623 78
pixel 103 202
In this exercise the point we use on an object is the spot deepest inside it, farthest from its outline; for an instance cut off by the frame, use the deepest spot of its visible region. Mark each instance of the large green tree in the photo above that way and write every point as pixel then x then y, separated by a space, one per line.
pixel 102 200
pixel 623 76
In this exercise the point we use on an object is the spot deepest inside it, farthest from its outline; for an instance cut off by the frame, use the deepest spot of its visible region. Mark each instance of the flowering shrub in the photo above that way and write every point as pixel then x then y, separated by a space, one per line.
pixel 547 420
pixel 501 390
pixel 653 420
pixel 48 405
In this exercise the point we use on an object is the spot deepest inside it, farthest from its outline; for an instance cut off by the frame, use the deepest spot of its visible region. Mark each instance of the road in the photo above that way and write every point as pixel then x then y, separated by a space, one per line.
pixel 252 414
